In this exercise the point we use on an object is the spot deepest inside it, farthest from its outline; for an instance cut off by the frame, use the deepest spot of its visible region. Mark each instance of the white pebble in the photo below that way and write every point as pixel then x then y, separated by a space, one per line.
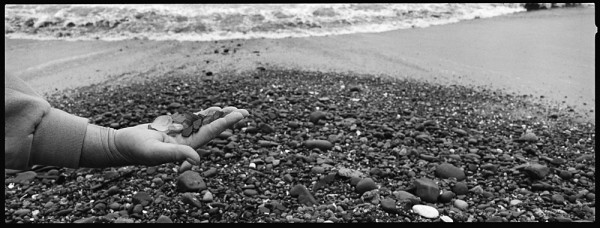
pixel 446 218
pixel 252 165
pixel 426 211
pixel 515 202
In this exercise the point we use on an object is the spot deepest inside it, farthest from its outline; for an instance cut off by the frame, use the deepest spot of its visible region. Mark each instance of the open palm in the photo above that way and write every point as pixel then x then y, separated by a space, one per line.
pixel 140 145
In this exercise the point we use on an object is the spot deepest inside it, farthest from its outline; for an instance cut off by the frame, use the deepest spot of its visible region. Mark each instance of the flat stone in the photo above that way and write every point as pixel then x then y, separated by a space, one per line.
pixel 447 170
pixel 364 185
pixel 345 172
pixel 190 181
pixel 515 202
pixel 123 220
pixel 164 219
pixel 86 220
pixel 314 117
pixel 426 211
pixel 24 177
pixel 22 212
pixel 189 198
pixel 557 198
pixel 185 166
pixel 406 196
pixel 210 172
pixel 427 190
pixel 250 192
pixel 208 197
pixel 320 144
pixel 142 198
pixel 317 169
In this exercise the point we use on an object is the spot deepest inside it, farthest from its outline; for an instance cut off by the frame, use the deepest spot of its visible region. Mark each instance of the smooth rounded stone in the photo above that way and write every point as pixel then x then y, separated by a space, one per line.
pixel 190 181
pixel 174 105
pixel 86 220
pixel 406 196
pixel 210 172
pixel 487 194
pixel 585 157
pixel 266 143
pixel 100 207
pixel 265 128
pixel 164 219
pixel 354 181
pixel 158 181
pixel 559 199
pixel 345 172
pixel 426 211
pixel 565 175
pixel 536 171
pixel 142 198
pixel 113 190
pixel 489 167
pixel 447 170
pixel 208 197
pixel 459 131
pixel 317 169
pixel 114 206
pixel 185 166
pixel 364 185
pixel 460 188
pixel 461 204
pixel 304 196
pixel 590 196
pixel 527 137
pixel 427 190
pixel 123 220
pixel 24 177
pixel 288 178
pixel 314 117
pixel 446 196
pixel 250 192
pixel 21 212
pixel 388 205
pixel 515 202
pixel 137 209
pixel 494 219
pixel 320 144
pixel 189 198
pixel 52 172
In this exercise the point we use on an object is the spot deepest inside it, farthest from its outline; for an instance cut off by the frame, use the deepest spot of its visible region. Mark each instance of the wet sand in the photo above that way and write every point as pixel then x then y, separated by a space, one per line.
pixel 544 53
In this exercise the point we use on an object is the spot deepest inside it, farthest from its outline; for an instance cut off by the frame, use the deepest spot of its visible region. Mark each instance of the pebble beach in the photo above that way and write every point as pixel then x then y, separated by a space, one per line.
pixel 395 126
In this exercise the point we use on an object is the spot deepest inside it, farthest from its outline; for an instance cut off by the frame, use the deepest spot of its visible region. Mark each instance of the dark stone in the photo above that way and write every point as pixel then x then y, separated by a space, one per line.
pixel 320 144
pixel 446 196
pixel 304 196
pixel 190 181
pixel 389 205
pixel 536 171
pixel 210 172
pixel 427 190
pixel 189 198
pixel 142 198
pixel 364 185
pixel 447 170
pixel 316 116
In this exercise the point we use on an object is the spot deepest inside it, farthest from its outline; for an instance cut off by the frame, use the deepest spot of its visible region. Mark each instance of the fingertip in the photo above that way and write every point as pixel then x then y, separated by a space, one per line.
pixel 191 155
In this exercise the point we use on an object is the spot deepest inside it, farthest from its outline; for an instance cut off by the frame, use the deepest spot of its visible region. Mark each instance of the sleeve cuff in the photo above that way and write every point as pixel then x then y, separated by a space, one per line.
pixel 58 139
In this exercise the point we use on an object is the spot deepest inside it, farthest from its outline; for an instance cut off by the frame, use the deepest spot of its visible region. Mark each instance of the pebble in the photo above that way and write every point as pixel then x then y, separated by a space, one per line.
pixel 123 220
pixel 210 172
pixel 24 177
pixel 304 196
pixel 164 219
pixel 389 205
pixel 113 190
pixel 585 157
pixel 515 202
pixel 288 178
pixel 446 196
pixel 158 181
pixel 426 211
pixel 460 188
pixel 364 185
pixel 459 131
pixel 86 220
pixel 345 172
pixel 317 169
pixel 494 219
pixel 316 116
pixel 142 198
pixel 190 181
pixel 461 204
pixel 137 209
pixel 527 137
pixel 565 175
pixel 320 144
pixel 21 212
pixel 559 199
pixel 114 206
pixel 446 218
pixel 250 192
pixel 427 190
pixel 151 170
pixel 447 170
pixel 406 196
pixel 208 197
pixel 536 171
pixel 189 198
pixel 185 166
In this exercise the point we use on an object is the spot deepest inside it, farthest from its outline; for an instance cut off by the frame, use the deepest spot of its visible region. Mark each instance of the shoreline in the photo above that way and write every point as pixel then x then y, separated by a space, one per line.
pixel 519 53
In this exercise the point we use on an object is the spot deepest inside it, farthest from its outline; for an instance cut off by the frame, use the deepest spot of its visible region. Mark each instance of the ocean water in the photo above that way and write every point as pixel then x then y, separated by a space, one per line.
pixel 207 22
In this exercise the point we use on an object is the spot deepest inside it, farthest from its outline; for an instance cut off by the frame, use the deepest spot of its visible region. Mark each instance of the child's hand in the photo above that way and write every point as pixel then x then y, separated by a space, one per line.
pixel 140 145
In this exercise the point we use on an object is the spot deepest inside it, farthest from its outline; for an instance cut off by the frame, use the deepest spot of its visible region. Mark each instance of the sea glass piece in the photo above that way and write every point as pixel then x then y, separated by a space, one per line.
pixel 161 123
